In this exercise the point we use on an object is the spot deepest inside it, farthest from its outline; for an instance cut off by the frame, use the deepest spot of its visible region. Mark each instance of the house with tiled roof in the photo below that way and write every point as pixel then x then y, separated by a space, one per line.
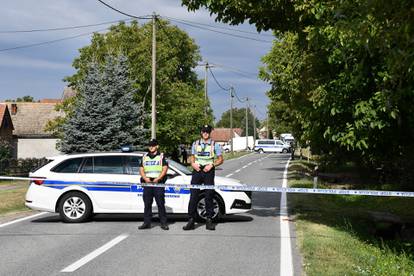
pixel 30 139
pixel 223 135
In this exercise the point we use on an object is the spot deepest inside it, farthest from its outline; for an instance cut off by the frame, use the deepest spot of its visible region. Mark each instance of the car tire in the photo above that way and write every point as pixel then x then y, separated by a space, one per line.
pixel 284 151
pixel 226 150
pixel 201 208
pixel 75 207
pixel 261 151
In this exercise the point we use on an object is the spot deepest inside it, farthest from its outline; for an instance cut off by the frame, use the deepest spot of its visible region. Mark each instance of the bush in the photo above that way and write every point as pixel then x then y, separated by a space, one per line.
pixel 5 150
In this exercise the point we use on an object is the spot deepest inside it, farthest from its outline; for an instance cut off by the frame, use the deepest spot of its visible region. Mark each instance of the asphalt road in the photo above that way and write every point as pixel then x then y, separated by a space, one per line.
pixel 246 244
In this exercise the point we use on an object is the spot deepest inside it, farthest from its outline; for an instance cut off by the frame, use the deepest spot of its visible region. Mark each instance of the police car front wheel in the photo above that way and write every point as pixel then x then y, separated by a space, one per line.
pixel 75 207
pixel 218 208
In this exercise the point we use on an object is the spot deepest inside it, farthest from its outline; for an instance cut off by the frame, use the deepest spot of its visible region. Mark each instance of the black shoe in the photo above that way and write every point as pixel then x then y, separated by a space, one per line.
pixel 210 225
pixel 144 226
pixel 190 225
pixel 164 226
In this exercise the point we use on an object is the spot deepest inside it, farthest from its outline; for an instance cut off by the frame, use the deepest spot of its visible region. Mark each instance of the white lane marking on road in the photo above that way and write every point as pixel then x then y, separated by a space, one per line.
pixel 286 265
pixel 236 171
pixel 94 254
pixel 21 219
pixel 245 166
pixel 230 174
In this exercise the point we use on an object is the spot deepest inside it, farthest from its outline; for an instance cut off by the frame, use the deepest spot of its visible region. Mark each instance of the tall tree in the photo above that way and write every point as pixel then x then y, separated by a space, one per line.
pixel 106 115
pixel 239 120
pixel 177 84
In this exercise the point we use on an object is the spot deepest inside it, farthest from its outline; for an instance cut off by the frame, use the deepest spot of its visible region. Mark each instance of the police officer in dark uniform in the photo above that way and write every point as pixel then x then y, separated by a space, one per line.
pixel 153 169
pixel 206 155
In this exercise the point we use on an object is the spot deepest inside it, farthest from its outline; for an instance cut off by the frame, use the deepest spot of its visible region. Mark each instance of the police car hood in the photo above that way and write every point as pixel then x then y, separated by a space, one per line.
pixel 224 181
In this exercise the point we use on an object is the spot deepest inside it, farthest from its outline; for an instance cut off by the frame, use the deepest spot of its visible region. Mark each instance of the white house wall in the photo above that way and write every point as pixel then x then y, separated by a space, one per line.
pixel 36 148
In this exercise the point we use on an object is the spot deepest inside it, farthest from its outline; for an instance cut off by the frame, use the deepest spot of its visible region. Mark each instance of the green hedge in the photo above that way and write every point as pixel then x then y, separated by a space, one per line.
pixel 20 167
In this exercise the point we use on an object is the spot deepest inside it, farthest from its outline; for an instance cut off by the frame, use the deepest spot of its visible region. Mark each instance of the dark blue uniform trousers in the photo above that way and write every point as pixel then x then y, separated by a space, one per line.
pixel 159 194
pixel 202 178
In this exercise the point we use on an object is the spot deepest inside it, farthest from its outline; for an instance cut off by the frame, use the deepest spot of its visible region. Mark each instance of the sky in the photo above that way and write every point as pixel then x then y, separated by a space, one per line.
pixel 39 71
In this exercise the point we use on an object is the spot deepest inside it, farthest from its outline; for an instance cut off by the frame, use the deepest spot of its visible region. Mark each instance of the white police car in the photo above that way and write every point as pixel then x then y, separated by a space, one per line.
pixel 270 145
pixel 77 186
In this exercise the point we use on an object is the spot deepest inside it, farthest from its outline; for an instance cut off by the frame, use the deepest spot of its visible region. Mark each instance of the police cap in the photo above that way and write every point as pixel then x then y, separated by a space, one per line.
pixel 153 142
pixel 206 128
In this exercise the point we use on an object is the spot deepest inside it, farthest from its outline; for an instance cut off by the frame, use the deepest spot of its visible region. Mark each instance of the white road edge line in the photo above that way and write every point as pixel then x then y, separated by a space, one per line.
pixel 22 219
pixel 286 265
pixel 94 254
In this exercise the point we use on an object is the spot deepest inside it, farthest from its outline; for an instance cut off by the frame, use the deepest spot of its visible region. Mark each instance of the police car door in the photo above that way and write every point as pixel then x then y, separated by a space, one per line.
pixel 175 196
pixel 109 184
pixel 132 164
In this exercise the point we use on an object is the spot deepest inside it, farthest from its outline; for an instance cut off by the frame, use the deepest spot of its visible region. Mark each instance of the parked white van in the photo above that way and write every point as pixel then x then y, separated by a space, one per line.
pixel 269 145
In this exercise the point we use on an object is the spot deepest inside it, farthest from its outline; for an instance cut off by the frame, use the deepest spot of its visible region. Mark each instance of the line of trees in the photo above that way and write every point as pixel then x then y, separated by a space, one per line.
pixel 342 75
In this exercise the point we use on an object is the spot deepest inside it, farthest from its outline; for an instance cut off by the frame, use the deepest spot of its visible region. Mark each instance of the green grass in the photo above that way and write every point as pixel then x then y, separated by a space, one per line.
pixel 236 154
pixel 12 200
pixel 336 233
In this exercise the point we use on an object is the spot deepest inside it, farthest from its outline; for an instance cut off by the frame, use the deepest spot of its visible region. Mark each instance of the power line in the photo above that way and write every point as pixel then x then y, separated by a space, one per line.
pixel 261 113
pixel 220 32
pixel 124 13
pixel 237 71
pixel 50 41
pixel 219 85
pixel 237 97
pixel 64 28
pixel 218 27
pixel 226 89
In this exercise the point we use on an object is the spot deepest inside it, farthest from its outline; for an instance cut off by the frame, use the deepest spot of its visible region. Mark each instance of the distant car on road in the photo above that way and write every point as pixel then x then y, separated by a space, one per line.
pixel 269 145
pixel 78 186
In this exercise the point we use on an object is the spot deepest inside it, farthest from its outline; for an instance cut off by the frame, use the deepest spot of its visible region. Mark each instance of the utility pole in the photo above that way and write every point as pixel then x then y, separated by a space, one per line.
pixel 267 126
pixel 154 69
pixel 247 124
pixel 254 125
pixel 231 119
pixel 205 89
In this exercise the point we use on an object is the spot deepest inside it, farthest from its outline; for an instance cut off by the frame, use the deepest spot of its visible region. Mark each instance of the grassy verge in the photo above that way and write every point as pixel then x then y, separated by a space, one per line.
pixel 236 154
pixel 12 195
pixel 337 235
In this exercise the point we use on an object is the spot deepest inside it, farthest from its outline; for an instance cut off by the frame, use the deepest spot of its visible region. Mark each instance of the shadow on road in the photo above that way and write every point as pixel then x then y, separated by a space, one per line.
pixel 275 169
pixel 140 217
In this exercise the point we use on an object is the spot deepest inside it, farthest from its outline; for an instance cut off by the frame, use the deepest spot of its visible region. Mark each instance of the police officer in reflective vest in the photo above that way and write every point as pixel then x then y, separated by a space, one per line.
pixel 206 155
pixel 153 169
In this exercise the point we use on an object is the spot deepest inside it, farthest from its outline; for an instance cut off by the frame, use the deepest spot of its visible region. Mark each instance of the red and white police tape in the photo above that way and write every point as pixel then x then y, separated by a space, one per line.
pixel 271 189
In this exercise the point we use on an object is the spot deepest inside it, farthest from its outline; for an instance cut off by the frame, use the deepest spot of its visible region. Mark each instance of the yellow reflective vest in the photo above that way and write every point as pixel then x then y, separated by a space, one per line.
pixel 204 154
pixel 152 166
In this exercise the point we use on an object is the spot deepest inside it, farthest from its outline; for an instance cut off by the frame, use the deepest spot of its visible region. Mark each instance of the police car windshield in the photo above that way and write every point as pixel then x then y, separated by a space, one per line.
pixel 179 167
